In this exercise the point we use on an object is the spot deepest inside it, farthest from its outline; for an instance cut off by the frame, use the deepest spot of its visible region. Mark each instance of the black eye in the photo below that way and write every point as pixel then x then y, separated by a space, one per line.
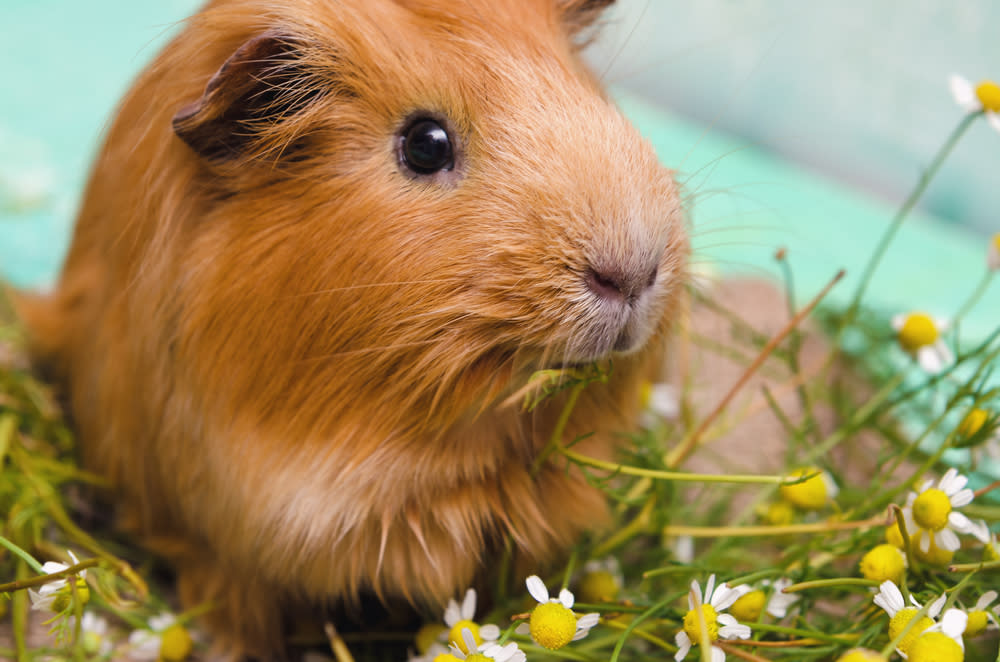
pixel 426 147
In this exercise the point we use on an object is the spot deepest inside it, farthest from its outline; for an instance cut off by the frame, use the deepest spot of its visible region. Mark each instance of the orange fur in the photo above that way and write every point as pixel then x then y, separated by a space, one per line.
pixel 290 358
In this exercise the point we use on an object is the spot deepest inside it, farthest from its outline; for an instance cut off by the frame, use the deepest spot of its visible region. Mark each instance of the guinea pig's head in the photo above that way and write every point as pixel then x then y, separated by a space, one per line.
pixel 407 202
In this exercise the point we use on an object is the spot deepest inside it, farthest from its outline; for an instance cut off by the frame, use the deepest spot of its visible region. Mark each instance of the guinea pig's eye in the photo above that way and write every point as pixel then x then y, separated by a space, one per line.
pixel 425 147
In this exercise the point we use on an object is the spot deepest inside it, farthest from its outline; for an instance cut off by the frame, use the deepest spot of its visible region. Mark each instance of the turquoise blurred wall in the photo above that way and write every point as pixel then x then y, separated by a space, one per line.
pixel 853 88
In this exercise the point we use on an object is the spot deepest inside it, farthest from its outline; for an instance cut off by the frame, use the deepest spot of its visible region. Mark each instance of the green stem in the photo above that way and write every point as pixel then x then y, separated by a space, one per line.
pixel 823 583
pixel 28 558
pixel 974 298
pixel 681 476
pixel 904 210
pixel 555 440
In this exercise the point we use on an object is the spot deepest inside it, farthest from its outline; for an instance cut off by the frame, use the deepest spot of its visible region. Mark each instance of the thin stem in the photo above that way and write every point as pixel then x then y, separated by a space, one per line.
pixel 768 530
pixel 555 440
pixel 901 214
pixel 672 475
pixel 45 579
pixel 28 558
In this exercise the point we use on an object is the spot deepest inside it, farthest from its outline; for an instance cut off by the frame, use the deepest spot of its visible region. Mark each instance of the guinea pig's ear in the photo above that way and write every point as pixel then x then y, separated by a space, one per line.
pixel 261 84
pixel 582 14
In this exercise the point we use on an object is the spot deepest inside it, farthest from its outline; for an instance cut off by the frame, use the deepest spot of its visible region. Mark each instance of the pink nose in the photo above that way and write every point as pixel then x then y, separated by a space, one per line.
pixel 616 284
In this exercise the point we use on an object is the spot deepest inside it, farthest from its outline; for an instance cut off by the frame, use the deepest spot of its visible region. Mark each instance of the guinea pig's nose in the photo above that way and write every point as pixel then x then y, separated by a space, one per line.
pixel 616 283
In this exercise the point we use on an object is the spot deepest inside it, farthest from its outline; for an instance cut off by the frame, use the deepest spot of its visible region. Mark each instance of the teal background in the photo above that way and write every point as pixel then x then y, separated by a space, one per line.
pixel 790 124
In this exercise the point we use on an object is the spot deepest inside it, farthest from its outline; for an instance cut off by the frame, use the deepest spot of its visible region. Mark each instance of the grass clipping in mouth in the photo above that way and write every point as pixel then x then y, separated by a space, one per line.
pixel 858 526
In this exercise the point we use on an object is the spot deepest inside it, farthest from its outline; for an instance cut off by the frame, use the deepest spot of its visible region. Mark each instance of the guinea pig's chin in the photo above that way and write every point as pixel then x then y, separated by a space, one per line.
pixel 603 341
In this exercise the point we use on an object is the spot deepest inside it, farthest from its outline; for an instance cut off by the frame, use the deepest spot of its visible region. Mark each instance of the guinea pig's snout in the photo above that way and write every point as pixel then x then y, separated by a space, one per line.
pixel 616 283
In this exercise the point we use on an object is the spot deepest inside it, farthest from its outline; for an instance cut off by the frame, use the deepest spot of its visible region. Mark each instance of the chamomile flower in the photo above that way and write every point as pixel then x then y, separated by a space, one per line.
pixel 165 640
pixel 900 614
pixel 931 514
pixel 94 634
pixel 812 493
pixel 601 580
pixel 919 335
pixel 981 616
pixel 861 655
pixel 983 97
pixel 941 642
pixel 660 402
pixel 883 562
pixel 993 253
pixel 55 596
pixel 459 617
pixel 992 550
pixel 748 607
pixel 553 624
pixel 718 624
pixel 486 652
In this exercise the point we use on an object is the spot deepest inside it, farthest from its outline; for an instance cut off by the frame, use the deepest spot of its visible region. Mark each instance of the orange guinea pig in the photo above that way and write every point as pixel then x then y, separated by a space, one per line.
pixel 323 244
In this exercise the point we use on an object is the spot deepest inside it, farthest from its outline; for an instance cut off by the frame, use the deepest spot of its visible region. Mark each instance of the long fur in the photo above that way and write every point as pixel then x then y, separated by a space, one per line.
pixel 290 359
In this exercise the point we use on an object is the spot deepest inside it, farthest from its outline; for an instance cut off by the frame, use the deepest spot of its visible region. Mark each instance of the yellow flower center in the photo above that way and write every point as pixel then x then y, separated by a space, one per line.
pixel 455 636
pixel 992 551
pixel 693 627
pixel 552 625
pixel 936 647
pixel 427 635
pixel 931 509
pixel 598 586
pixel 988 93
pixel 977 622
pixel 861 655
pixel 175 643
pixel 883 562
pixel 477 657
pixel 446 657
pixel 780 513
pixel 901 620
pixel 64 596
pixel 748 606
pixel 809 494
pixel 918 331
pixel 973 422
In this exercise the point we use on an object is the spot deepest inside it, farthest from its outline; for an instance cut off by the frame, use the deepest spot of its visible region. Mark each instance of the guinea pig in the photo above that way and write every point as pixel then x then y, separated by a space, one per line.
pixel 323 245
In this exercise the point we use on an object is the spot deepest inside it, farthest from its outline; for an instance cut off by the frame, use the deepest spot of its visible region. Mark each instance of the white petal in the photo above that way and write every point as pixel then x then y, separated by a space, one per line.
pixel 738 631
pixel 962 498
pixel 696 589
pixel 930 360
pixel 985 600
pixel 709 588
pixel 588 621
pixel 726 619
pixel 683 642
pixel 469 604
pixel 963 93
pixel 947 540
pixel 489 632
pixel 566 598
pixel 993 120
pixel 889 598
pixel 935 608
pixel 963 524
pixel 663 400
pixel 718 655
pixel 684 549
pixel 523 628
pixel 953 623
pixel 162 621
pixel 536 587
pixel 452 613
pixel 924 540
pixel 469 639
pixel 41 602
pixel 832 490
pixel 898 321
pixel 949 479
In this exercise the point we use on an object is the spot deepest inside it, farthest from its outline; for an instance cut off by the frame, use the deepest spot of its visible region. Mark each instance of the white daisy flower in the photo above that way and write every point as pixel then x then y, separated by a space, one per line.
pixel 55 596
pixel 900 614
pixel 601 580
pixel 553 624
pixel 930 514
pixel 920 335
pixel 492 650
pixel 94 634
pixel 661 402
pixel 459 617
pixel 981 616
pixel 165 640
pixel 942 641
pixel 983 97
pixel 718 624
